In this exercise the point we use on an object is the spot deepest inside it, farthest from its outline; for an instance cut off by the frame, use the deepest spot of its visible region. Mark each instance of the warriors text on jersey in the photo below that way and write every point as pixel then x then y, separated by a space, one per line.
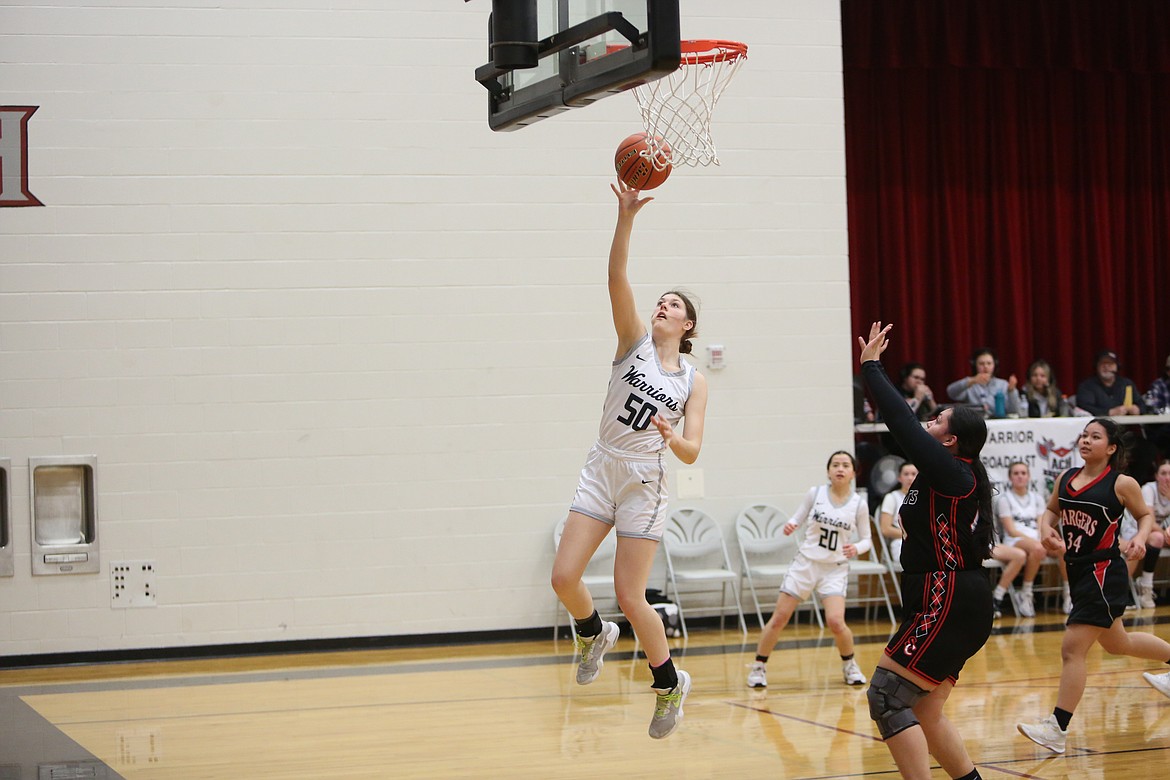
pixel 1090 517
pixel 640 388
pixel 829 527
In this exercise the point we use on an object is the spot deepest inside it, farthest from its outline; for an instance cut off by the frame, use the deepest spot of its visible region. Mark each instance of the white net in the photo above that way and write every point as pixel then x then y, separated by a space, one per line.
pixel 676 109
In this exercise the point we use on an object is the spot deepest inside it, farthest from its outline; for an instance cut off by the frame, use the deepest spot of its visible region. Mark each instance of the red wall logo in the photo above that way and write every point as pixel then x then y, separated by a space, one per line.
pixel 14 156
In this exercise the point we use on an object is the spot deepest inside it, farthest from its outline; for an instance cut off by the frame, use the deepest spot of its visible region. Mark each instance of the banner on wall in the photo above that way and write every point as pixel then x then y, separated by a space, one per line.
pixel 1047 445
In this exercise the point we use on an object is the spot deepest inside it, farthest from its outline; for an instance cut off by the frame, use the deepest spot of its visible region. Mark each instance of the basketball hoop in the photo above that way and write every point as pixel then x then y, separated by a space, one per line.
pixel 677 108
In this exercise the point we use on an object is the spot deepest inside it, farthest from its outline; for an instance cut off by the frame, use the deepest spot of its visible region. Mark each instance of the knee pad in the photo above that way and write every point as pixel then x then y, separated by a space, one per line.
pixel 891 699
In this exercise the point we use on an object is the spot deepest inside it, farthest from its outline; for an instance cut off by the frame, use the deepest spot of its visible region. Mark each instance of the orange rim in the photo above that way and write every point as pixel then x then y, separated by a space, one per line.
pixel 706 52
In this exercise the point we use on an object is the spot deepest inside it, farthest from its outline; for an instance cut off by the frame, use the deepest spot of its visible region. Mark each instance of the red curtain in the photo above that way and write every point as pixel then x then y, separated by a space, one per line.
pixel 1007 169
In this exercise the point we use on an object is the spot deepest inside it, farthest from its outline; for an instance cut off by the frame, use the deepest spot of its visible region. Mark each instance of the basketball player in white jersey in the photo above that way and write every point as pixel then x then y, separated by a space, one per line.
pixel 623 484
pixel 834 514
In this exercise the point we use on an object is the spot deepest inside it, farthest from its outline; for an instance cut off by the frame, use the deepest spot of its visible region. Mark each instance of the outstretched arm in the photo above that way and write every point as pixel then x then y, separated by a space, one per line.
pixel 626 322
pixel 932 459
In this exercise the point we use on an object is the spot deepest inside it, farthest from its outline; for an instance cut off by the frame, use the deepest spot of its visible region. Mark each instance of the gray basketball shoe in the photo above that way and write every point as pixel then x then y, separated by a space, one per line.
pixel 668 709
pixel 592 651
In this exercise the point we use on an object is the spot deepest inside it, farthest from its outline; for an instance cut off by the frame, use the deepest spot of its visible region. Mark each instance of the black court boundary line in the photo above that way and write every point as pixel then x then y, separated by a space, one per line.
pixel 415 641
pixel 340 669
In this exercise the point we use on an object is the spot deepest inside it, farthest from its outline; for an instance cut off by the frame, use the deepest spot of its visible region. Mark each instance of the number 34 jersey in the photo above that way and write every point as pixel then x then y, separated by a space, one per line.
pixel 1090 517
pixel 829 527
pixel 640 388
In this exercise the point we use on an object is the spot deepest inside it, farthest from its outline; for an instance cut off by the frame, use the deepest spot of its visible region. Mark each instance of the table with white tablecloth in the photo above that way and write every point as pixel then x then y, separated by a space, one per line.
pixel 1046 444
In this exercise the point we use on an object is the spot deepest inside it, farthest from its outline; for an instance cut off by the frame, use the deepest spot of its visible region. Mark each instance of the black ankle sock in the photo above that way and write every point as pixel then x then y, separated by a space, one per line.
pixel 590 626
pixel 1151 561
pixel 764 659
pixel 1063 718
pixel 847 657
pixel 972 775
pixel 665 677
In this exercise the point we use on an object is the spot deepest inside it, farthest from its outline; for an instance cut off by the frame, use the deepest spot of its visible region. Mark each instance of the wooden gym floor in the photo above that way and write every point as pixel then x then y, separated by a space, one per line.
pixel 513 710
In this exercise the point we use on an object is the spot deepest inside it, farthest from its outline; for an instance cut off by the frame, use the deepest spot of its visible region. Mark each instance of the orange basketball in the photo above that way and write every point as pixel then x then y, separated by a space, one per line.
pixel 633 164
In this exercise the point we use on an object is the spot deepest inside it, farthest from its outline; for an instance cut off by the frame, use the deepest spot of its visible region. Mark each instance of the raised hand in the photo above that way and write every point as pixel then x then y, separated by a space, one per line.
pixel 629 202
pixel 873 349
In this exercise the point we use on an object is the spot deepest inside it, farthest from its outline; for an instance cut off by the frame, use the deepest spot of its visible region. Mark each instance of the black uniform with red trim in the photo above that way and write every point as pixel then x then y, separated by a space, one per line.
pixel 1090 522
pixel 946 594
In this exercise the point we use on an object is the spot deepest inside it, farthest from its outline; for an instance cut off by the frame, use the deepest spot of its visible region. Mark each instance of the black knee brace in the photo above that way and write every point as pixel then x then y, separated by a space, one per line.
pixel 891 699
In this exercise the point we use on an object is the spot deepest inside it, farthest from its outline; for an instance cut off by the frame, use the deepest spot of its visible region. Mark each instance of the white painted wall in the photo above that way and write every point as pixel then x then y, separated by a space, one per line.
pixel 340 349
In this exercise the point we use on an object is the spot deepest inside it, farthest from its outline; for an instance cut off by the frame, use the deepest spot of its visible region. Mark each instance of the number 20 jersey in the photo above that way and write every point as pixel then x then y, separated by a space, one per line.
pixel 639 388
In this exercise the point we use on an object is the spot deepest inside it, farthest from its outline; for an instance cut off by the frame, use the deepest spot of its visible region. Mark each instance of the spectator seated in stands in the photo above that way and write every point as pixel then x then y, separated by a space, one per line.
pixel 1158 396
pixel 1107 393
pixel 983 386
pixel 917 393
pixel 1040 396
pixel 890 524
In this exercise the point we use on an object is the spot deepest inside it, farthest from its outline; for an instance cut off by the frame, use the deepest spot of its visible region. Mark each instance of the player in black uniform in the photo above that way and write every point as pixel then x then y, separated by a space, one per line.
pixel 947 519
pixel 1089 502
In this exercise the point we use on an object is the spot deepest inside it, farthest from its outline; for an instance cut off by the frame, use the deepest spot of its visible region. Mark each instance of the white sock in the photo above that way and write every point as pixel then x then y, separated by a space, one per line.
pixel 999 592
pixel 1147 579
pixel 1027 589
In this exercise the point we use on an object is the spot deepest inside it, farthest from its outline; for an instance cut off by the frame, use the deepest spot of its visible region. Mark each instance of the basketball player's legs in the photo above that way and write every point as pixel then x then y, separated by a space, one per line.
pixel 1118 641
pixel 942 738
pixel 631 572
pixel 1078 638
pixel 835 620
pixel 909 747
pixel 581 538
pixel 786 604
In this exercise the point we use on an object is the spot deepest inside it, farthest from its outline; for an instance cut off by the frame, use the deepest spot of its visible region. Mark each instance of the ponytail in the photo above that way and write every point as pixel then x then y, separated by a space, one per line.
pixel 968 427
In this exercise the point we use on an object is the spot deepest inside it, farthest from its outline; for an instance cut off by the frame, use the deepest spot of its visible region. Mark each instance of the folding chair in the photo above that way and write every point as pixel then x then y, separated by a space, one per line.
pixel 765 553
pixel 869 566
pixel 696 556
pixel 892 565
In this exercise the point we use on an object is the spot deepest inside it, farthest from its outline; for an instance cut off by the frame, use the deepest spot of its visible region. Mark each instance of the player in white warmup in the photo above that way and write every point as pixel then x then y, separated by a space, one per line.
pixel 832 515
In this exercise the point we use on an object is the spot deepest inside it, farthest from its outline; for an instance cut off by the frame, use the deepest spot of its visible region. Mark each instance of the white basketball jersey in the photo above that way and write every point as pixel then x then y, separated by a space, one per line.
pixel 1025 511
pixel 1158 505
pixel 830 527
pixel 639 388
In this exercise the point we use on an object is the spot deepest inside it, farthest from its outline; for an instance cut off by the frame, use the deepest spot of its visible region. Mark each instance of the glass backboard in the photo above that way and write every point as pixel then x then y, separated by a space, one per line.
pixel 584 51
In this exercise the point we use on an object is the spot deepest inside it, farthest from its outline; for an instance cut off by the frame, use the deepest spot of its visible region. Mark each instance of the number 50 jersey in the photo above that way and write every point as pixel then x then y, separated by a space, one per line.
pixel 639 388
